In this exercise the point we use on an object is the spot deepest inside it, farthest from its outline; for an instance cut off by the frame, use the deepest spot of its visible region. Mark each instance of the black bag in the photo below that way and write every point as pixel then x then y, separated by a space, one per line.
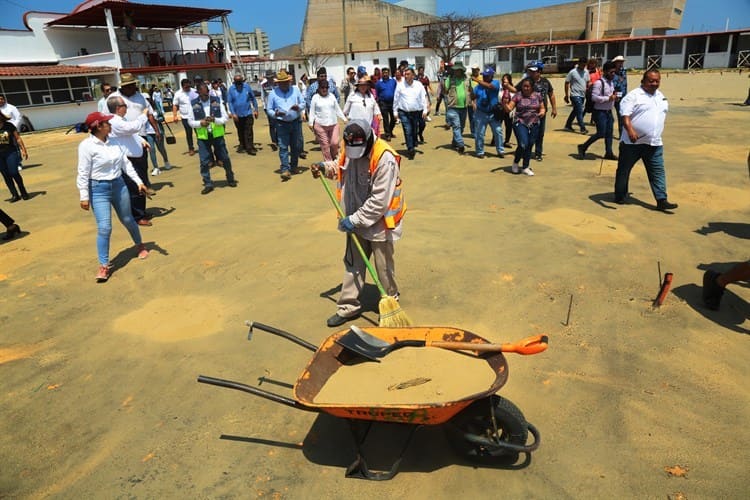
pixel 171 139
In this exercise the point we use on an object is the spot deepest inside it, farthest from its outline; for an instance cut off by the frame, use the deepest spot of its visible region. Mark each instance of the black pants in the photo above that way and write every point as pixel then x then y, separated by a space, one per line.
pixel 137 200
pixel 245 132
pixel 6 219
pixel 389 120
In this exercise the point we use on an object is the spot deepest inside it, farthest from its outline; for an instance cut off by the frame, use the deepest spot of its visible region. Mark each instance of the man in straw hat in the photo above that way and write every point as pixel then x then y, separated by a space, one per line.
pixel 458 97
pixel 285 107
pixel 373 212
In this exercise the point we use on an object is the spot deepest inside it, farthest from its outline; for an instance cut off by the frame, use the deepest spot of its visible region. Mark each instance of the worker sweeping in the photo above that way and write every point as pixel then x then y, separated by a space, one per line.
pixel 369 188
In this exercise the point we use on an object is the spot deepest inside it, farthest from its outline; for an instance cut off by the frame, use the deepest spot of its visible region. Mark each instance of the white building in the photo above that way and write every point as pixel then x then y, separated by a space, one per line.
pixel 54 75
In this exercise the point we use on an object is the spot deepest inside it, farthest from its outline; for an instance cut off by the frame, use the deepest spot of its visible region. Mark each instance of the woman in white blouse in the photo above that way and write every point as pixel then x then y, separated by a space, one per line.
pixel 101 186
pixel 361 104
pixel 323 120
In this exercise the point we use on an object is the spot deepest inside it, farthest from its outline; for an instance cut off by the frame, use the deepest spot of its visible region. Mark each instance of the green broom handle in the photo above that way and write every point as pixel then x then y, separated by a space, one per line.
pixel 354 238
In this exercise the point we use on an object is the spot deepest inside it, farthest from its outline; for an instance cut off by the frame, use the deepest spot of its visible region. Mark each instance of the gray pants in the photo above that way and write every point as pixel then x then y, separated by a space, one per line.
pixel 356 271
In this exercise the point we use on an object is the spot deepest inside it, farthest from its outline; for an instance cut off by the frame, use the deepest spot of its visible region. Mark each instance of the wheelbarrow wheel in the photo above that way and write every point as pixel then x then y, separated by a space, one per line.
pixel 482 431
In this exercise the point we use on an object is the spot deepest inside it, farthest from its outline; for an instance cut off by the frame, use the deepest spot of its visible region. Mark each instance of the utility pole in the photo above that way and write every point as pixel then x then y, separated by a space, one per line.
pixel 343 22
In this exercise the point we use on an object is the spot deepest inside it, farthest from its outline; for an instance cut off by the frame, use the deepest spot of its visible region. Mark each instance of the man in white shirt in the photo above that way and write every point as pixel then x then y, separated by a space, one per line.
pixel 182 102
pixel 125 133
pixel 9 110
pixel 410 100
pixel 101 106
pixel 643 111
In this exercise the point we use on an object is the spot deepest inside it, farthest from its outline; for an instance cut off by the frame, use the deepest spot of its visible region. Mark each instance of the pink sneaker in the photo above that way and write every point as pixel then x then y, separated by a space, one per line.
pixel 103 274
pixel 142 252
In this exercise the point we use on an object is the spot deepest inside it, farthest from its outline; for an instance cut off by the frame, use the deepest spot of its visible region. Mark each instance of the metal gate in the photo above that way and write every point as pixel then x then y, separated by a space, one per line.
pixel 743 59
pixel 653 62
pixel 695 61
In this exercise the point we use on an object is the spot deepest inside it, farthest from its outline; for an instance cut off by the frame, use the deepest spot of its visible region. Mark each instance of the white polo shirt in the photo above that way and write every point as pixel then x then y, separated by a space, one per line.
pixel 647 115
pixel 409 97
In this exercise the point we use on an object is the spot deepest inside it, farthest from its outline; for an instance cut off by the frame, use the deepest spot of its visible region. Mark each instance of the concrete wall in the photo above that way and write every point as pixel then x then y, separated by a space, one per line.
pixel 367 24
pixel 36 46
pixel 58 115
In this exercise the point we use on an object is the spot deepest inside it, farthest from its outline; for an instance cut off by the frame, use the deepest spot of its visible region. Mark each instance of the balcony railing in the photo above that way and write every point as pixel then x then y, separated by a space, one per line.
pixel 162 58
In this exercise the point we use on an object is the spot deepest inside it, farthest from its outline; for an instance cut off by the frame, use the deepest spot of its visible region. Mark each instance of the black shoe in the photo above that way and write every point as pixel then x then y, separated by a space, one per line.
pixel 581 151
pixel 241 150
pixel 303 155
pixel 611 156
pixel 480 156
pixel 420 138
pixel 410 154
pixel 207 189
pixel 507 145
pixel 665 205
pixel 461 150
pixel 15 198
pixel 620 201
pixel 584 131
pixel 337 320
pixel 712 291
pixel 252 152
pixel 538 157
pixel 25 196
pixel 12 231
pixel 232 184
pixel 569 128
pixel 274 147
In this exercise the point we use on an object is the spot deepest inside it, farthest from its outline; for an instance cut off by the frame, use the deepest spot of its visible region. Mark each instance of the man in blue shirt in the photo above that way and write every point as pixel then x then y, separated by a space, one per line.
pixel 487 112
pixel 385 88
pixel 621 88
pixel 243 109
pixel 285 107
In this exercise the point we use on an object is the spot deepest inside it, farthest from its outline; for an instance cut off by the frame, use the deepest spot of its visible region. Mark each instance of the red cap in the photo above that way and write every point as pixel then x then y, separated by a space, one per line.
pixel 95 118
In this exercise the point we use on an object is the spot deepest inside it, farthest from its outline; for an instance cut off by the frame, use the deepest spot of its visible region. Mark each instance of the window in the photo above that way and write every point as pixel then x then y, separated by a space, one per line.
pixel 376 62
pixel 678 11
pixel 634 48
pixel 37 91
pixel 503 54
pixel 419 61
pixel 674 46
pixel 718 43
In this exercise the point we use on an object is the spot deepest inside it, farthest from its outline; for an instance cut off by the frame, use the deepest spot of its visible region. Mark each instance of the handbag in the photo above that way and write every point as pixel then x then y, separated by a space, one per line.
pixel 171 139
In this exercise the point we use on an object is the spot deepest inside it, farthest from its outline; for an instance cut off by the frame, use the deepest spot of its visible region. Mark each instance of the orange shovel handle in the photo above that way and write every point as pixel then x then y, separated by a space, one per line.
pixel 529 345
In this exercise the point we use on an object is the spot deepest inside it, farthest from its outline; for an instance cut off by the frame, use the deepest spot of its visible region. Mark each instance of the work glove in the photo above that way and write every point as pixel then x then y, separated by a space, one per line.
pixel 345 225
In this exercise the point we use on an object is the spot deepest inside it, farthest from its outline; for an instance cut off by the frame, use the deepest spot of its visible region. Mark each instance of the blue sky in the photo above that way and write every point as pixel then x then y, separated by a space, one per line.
pixel 283 20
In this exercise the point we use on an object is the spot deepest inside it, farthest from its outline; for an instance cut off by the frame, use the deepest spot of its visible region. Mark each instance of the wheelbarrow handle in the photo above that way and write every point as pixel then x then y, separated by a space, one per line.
pixel 280 333
pixel 276 398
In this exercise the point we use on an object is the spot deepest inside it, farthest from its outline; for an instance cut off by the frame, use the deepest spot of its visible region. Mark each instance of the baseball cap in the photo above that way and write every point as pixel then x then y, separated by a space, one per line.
pixel 95 118
pixel 532 68
pixel 488 72
pixel 356 136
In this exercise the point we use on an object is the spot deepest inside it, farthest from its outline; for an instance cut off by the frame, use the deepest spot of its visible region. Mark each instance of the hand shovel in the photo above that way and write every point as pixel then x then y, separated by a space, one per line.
pixel 368 346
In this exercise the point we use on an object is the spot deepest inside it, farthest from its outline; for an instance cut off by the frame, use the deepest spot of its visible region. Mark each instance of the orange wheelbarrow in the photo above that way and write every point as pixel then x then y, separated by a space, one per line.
pixel 482 427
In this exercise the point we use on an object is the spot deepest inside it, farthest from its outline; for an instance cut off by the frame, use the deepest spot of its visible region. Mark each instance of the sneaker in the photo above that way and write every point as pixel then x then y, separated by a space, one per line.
pixel 142 252
pixel 527 171
pixel 207 189
pixel 480 156
pixel 461 150
pixel 515 168
pixel 584 131
pixel 665 205
pixel 581 152
pixel 167 166
pixel 501 154
pixel 286 175
pixel 155 171
pixel 428 119
pixel 103 274
pixel 538 157
pixel 144 222
pixel 712 291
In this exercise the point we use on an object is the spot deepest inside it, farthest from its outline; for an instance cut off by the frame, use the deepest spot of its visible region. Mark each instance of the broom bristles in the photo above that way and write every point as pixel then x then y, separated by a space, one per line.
pixel 391 314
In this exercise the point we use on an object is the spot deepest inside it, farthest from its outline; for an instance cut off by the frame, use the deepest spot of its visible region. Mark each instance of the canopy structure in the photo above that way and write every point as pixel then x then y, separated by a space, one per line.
pixel 92 13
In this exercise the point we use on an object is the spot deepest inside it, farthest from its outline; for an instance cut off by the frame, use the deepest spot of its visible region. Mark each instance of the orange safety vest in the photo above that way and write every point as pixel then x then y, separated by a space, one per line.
pixel 397 206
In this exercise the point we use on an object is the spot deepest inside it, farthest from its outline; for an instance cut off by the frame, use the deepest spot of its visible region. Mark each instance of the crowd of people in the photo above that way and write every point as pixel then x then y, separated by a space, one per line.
pixel 130 125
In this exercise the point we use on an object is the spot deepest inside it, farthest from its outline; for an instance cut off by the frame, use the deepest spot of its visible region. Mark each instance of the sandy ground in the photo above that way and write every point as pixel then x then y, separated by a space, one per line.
pixel 99 396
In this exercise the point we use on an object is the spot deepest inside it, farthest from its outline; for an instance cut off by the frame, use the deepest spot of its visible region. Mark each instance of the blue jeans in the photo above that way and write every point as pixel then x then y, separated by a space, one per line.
pixel 207 149
pixel 653 159
pixel 470 112
pixel 188 134
pixel 153 146
pixel 410 124
pixel 539 143
pixel 104 194
pixel 456 119
pixel 526 138
pixel 481 120
pixel 604 128
pixel 288 135
pixel 9 162
pixel 576 113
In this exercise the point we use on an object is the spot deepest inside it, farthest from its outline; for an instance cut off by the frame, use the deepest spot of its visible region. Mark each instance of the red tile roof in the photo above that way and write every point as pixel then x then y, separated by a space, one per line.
pixel 30 71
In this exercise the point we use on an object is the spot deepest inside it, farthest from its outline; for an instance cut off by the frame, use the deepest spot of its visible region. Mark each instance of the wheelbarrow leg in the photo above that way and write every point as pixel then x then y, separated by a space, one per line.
pixel 359 468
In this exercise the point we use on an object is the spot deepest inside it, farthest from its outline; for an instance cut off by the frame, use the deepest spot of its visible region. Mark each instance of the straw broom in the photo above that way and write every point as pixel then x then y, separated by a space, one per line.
pixel 391 314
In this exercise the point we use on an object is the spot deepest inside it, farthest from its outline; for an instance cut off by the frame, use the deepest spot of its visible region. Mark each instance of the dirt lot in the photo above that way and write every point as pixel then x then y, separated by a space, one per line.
pixel 99 396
